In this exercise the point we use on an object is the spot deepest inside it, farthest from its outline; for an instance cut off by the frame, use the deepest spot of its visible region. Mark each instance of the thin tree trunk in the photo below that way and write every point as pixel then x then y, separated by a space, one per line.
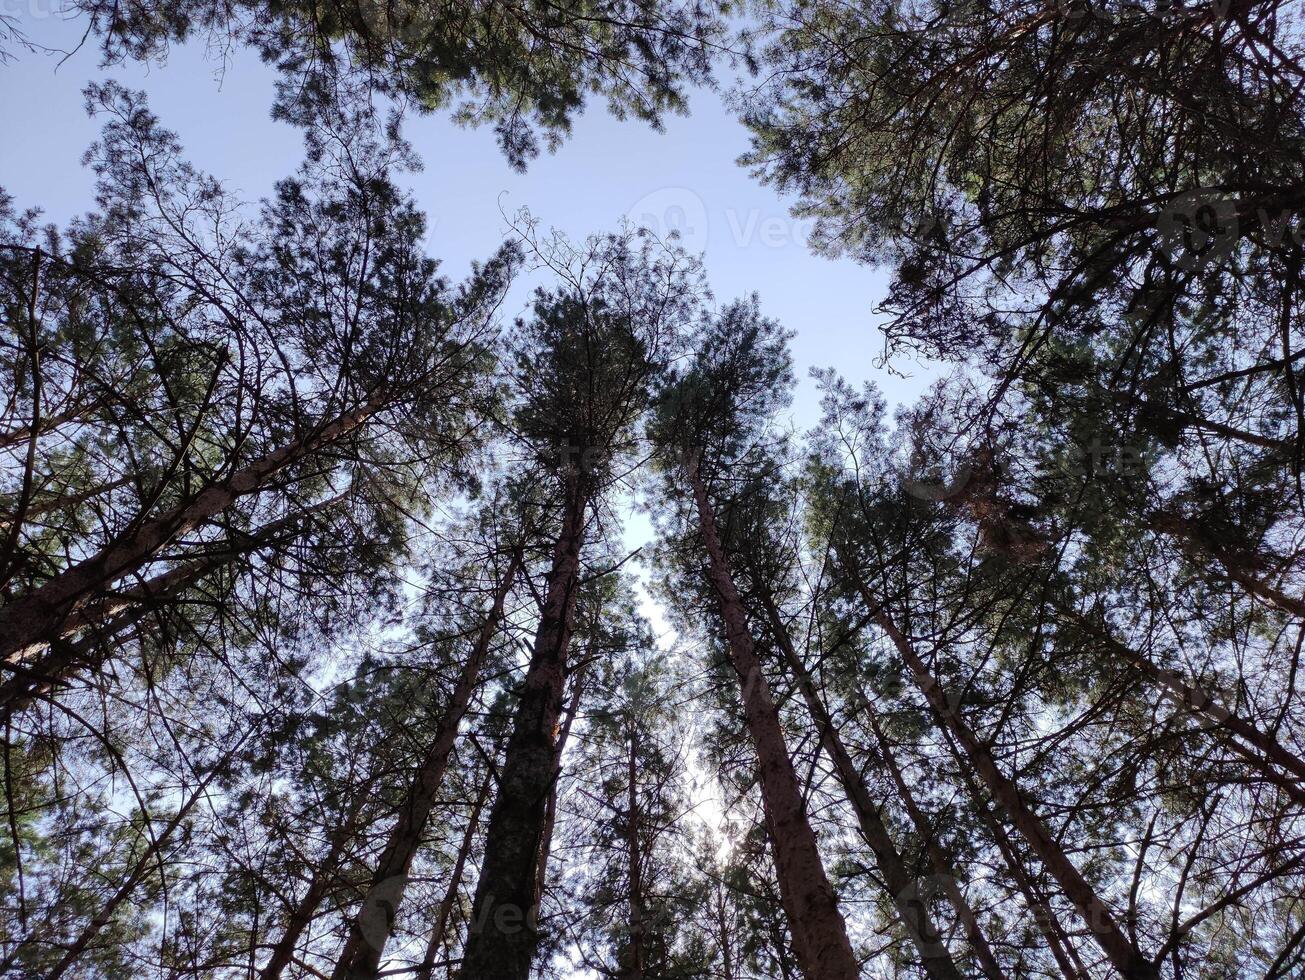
pixel 367 935
pixel 550 815
pixel 325 875
pixel 504 929
pixel 36 509
pixel 29 622
pixel 1238 566
pixel 819 933
pixel 450 899
pixel 634 965
pixel 905 891
pixel 938 858
pixel 1062 950
pixel 1122 953
pixel 147 860
pixel 1267 749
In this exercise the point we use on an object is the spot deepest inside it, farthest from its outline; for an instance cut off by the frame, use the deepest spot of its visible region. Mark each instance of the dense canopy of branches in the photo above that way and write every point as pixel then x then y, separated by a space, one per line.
pixel 329 646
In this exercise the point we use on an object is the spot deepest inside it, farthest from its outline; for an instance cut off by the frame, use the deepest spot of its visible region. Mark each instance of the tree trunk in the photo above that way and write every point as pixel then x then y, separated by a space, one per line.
pixel 504 932
pixel 908 897
pixel 147 860
pixel 1122 953
pixel 325 875
pixel 110 613
pixel 1237 565
pixel 450 899
pixel 819 933
pixel 550 814
pixel 369 932
pixel 633 968
pixel 1267 749
pixel 938 859
pixel 29 622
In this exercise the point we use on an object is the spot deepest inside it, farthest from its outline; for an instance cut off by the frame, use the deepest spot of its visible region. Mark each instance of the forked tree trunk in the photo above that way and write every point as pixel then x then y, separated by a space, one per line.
pixel 28 623
pixel 909 898
pixel 504 929
pixel 819 933
pixel 384 895
pixel 1121 951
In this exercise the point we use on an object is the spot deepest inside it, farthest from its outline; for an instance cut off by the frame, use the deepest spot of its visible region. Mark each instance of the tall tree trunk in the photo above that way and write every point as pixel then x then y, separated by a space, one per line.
pixel 504 932
pixel 369 933
pixel 550 814
pixel 633 968
pixel 943 870
pixel 450 899
pixel 1044 916
pixel 905 891
pixel 29 622
pixel 324 877
pixel 1122 953
pixel 819 933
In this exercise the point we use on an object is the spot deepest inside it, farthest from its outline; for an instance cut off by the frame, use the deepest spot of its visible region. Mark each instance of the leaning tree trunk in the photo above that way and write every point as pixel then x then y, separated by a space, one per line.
pixel 325 876
pixel 1238 565
pixel 368 933
pixel 28 623
pixel 904 889
pixel 1259 748
pixel 1121 951
pixel 150 859
pixel 819 933
pixel 445 911
pixel 111 613
pixel 938 859
pixel 504 929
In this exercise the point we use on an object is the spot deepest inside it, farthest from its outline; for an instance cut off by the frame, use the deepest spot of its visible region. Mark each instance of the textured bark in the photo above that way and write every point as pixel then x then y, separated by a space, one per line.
pixel 819 933
pixel 1122 953
pixel 362 957
pixel 938 858
pixel 504 932
pixel 28 623
pixel 550 814
pixel 1266 748
pixel 325 876
pixel 905 891
pixel 450 899
pixel 113 612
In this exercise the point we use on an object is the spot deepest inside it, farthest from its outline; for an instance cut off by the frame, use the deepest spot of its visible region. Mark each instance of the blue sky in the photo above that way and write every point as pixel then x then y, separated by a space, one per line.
pixel 685 178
